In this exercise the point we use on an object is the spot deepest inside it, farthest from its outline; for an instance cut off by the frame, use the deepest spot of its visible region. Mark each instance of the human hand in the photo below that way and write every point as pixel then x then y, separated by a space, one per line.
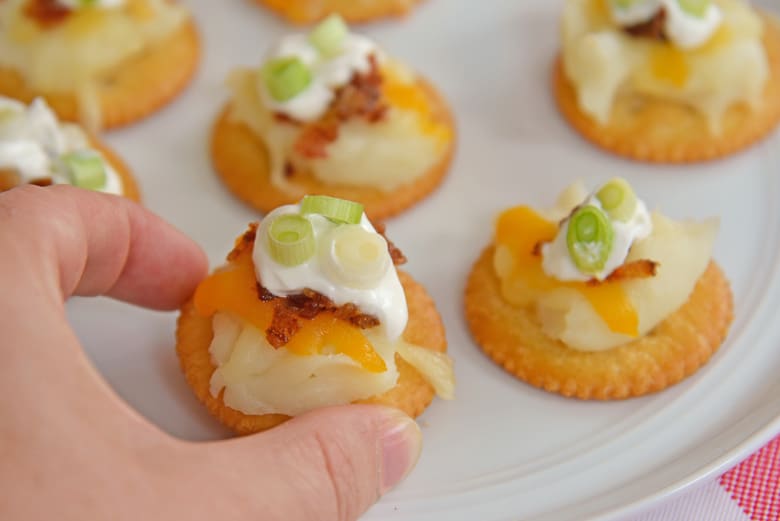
pixel 70 449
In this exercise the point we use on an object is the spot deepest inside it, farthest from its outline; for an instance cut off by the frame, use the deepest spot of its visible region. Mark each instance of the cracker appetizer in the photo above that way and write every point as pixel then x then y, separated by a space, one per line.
pixel 329 113
pixel 670 81
pixel 310 311
pixel 105 63
pixel 597 298
pixel 36 148
pixel 308 11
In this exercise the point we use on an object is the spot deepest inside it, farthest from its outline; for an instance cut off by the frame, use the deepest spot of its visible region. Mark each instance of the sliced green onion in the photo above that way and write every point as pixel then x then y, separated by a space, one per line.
pixel 618 199
pixel 328 36
pixel 697 8
pixel 286 77
pixel 354 256
pixel 627 4
pixel 87 3
pixel 291 240
pixel 337 210
pixel 86 170
pixel 589 239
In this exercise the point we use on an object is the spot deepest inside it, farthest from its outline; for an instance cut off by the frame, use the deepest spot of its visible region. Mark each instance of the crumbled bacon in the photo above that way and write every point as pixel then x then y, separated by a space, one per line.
pixel 396 254
pixel 47 13
pixel 360 98
pixel 291 311
pixel 653 28
pixel 640 269
pixel 243 243
pixel 42 181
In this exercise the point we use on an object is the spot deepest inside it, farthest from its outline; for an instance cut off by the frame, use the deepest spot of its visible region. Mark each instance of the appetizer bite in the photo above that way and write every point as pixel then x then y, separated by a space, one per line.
pixel 308 11
pixel 329 113
pixel 670 81
pixel 105 63
pixel 310 311
pixel 35 148
pixel 598 299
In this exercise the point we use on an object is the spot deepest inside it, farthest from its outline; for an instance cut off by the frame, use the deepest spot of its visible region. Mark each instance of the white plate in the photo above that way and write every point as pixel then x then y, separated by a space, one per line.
pixel 502 450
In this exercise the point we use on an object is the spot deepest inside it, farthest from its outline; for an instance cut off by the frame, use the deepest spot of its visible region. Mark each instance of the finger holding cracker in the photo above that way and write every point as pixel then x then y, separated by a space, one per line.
pixel 669 81
pixel 106 63
pixel 329 113
pixel 597 298
pixel 310 311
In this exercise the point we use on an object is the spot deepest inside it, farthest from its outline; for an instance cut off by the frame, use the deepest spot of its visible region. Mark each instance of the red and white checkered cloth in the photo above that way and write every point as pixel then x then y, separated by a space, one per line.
pixel 748 492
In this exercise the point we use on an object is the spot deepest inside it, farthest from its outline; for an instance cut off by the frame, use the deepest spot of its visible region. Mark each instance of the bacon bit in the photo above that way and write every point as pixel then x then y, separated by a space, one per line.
pixel 243 243
pixel 290 311
pixel 283 326
pixel 653 29
pixel 281 117
pixel 263 294
pixel 315 137
pixel 396 254
pixel 47 13
pixel 360 98
pixel 289 169
pixel 640 269
pixel 42 181
pixel 537 251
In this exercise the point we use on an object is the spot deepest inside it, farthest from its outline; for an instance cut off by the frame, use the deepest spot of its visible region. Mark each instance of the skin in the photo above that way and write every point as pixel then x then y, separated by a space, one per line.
pixel 70 449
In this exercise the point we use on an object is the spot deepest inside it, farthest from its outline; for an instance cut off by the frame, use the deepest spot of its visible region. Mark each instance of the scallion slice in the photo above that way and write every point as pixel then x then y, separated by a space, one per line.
pixel 86 170
pixel 291 240
pixel 337 210
pixel 627 4
pixel 697 8
pixel 285 78
pixel 328 36
pixel 354 256
pixel 618 199
pixel 589 239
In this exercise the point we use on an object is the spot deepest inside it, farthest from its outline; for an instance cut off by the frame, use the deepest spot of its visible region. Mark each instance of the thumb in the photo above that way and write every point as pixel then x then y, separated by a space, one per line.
pixel 331 464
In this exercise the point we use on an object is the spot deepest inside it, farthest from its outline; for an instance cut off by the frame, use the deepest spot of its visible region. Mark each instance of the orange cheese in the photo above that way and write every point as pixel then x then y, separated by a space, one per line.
pixel 521 229
pixel 234 289
pixel 409 96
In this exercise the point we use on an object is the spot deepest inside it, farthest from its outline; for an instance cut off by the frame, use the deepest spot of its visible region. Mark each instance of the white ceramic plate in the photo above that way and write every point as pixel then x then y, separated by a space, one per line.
pixel 502 450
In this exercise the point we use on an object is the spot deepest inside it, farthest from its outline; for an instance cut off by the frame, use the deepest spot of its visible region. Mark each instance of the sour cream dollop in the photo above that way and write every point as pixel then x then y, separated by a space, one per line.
pixel 385 300
pixel 33 141
pixel 685 30
pixel 557 261
pixel 328 74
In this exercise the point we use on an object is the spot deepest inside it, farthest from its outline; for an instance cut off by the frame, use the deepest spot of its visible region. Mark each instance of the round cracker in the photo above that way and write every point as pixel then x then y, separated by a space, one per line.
pixel 135 89
pixel 659 131
pixel 308 11
pixel 129 185
pixel 412 393
pixel 675 349
pixel 241 160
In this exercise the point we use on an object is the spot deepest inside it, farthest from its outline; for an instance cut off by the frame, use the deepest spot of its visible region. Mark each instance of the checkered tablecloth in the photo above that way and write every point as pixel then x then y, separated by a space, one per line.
pixel 748 492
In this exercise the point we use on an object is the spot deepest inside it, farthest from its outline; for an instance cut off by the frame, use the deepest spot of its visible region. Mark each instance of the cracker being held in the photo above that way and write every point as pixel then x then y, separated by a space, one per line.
pixel 105 64
pixel 36 148
pixel 329 113
pixel 543 300
pixel 281 330
pixel 657 83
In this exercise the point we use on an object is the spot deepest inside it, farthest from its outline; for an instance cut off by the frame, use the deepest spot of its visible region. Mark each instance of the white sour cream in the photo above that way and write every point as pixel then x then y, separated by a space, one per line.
pixel 386 300
pixel 557 262
pixel 686 31
pixel 32 141
pixel 328 74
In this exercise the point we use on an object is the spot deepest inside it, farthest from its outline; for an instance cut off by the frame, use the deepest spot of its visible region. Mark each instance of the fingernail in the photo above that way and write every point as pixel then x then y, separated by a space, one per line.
pixel 401 443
